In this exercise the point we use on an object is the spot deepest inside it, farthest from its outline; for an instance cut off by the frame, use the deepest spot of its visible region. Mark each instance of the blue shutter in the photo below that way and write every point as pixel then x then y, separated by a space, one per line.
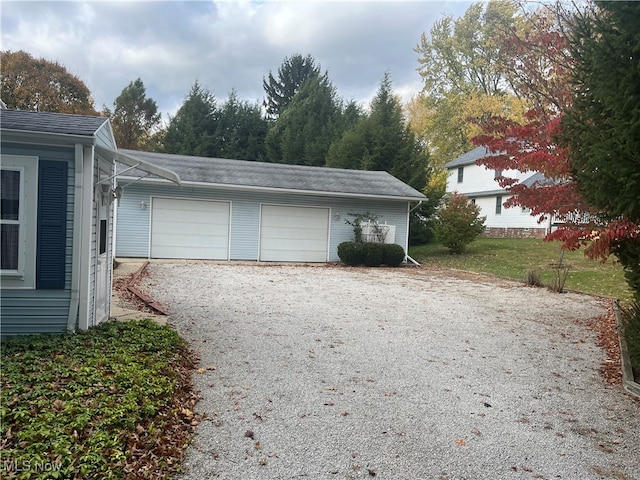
pixel 52 224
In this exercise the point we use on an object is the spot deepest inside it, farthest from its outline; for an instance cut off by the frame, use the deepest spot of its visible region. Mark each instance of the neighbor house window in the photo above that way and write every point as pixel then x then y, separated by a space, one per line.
pixel 498 205
pixel 460 174
pixel 18 212
pixel 498 173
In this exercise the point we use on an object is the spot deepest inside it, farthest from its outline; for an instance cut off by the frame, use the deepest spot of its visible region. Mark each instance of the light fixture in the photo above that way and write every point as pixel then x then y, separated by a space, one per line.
pixel 336 216
pixel 143 206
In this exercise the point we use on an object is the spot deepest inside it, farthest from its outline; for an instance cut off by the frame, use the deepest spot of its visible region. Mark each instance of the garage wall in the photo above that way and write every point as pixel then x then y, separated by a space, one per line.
pixel 133 222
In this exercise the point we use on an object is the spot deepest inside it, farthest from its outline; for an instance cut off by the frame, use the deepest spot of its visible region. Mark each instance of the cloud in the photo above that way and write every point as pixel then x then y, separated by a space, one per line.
pixel 225 45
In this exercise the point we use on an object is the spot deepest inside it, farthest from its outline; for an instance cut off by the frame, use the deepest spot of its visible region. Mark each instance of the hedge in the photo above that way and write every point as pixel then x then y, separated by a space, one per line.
pixel 371 254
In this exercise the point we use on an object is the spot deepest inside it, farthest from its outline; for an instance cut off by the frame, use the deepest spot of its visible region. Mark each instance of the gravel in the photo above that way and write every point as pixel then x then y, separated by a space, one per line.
pixel 327 372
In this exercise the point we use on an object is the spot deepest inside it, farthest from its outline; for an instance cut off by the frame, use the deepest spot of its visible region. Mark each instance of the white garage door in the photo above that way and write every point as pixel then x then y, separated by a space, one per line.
pixel 195 229
pixel 294 234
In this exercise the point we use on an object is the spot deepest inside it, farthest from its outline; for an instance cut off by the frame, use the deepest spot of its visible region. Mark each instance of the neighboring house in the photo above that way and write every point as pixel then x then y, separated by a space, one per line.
pixel 244 210
pixel 56 224
pixel 479 184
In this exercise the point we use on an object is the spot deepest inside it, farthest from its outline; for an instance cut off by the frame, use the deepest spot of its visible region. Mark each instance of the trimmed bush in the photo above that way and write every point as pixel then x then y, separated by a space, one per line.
pixel 351 253
pixel 393 255
pixel 371 254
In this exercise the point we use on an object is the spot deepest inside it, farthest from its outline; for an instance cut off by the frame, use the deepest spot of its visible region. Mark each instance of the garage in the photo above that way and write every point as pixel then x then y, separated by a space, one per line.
pixel 294 234
pixel 193 229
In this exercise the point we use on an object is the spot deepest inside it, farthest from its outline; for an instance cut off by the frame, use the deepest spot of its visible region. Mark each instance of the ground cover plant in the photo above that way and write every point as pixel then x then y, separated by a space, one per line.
pixel 113 402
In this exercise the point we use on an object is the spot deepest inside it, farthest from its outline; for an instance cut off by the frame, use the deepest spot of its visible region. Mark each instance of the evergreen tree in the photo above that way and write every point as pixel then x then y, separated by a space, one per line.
pixel 241 130
pixel 292 74
pixel 191 130
pixel 303 133
pixel 382 141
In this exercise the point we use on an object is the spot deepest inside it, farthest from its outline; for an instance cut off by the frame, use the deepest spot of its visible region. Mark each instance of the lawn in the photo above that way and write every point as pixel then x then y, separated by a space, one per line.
pixel 514 257
pixel 113 402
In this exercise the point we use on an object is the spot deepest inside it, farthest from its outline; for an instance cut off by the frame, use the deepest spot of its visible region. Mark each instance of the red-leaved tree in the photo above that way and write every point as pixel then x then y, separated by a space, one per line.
pixel 542 67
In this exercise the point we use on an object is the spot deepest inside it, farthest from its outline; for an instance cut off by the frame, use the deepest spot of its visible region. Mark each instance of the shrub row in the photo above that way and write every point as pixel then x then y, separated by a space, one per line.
pixel 371 254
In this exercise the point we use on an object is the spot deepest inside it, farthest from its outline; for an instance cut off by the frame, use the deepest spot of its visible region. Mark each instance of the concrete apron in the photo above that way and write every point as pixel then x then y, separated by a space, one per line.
pixel 120 309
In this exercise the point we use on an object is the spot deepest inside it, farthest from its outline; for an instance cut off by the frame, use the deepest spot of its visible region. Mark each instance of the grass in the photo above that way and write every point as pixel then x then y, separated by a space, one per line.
pixel 515 257
pixel 109 403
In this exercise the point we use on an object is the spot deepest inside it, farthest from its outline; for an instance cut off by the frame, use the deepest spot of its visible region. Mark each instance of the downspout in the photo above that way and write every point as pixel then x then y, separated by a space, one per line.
pixel 76 245
pixel 86 225
pixel 409 210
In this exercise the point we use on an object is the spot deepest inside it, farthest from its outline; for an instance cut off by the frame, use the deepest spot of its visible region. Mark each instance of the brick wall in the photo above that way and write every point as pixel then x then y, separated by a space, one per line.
pixel 496 232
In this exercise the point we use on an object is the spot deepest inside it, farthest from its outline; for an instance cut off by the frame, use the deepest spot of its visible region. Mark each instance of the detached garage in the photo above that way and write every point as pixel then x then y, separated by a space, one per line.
pixel 241 210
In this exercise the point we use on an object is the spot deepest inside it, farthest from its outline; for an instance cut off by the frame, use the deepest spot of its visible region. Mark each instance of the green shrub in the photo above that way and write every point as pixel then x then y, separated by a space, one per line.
pixel 393 255
pixel 458 223
pixel 371 254
pixel 351 253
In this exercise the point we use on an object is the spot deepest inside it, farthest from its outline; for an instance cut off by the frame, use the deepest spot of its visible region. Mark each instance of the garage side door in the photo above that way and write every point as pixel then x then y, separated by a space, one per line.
pixel 294 234
pixel 195 229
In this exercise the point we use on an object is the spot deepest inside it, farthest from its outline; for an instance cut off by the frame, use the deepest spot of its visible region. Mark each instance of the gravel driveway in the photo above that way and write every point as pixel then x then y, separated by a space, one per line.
pixel 325 372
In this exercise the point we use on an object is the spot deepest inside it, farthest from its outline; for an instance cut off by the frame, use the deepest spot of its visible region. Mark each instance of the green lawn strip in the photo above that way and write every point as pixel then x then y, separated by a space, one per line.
pixel 88 405
pixel 513 257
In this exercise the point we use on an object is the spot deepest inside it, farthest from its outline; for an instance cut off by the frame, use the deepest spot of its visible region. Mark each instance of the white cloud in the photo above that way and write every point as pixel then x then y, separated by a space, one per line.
pixel 224 44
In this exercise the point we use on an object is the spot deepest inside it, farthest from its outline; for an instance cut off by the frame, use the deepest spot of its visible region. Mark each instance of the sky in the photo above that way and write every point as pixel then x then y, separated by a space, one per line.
pixel 224 45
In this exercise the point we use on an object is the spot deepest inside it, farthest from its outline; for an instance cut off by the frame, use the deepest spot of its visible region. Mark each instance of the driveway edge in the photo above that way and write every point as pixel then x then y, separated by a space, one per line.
pixel 628 380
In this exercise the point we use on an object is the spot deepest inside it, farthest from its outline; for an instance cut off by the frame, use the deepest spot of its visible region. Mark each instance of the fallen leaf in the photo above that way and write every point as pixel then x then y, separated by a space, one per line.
pixel 461 442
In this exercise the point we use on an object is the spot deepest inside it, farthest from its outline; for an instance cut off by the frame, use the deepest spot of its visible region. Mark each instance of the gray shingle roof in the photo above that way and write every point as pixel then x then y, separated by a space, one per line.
pixel 244 173
pixel 472 156
pixel 47 122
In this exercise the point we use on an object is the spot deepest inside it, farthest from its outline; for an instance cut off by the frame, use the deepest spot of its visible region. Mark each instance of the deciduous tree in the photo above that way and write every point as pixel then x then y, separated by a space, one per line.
pixel 464 66
pixel 28 83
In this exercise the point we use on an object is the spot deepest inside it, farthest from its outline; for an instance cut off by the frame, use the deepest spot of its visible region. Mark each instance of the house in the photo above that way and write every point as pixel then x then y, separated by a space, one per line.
pixel 479 184
pixel 243 210
pixel 57 193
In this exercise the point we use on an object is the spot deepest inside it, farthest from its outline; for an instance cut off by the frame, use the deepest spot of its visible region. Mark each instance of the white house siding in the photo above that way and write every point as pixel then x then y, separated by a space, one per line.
pixel 132 232
pixel 479 184
pixel 41 311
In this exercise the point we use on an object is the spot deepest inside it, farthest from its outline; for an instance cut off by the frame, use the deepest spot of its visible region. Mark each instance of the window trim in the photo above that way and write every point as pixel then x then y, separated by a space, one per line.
pixel 460 174
pixel 25 276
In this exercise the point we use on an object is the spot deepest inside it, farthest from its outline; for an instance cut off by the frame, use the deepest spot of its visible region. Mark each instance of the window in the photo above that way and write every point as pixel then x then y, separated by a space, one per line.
pixel 18 212
pixel 498 173
pixel 10 218
pixel 460 174
pixel 498 205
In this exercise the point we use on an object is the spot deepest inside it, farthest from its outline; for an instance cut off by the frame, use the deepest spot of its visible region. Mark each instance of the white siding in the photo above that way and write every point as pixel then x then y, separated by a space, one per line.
pixel 480 185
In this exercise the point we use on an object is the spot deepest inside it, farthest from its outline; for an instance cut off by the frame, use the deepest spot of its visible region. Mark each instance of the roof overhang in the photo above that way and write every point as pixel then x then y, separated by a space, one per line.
pixel 134 162
pixel 319 193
